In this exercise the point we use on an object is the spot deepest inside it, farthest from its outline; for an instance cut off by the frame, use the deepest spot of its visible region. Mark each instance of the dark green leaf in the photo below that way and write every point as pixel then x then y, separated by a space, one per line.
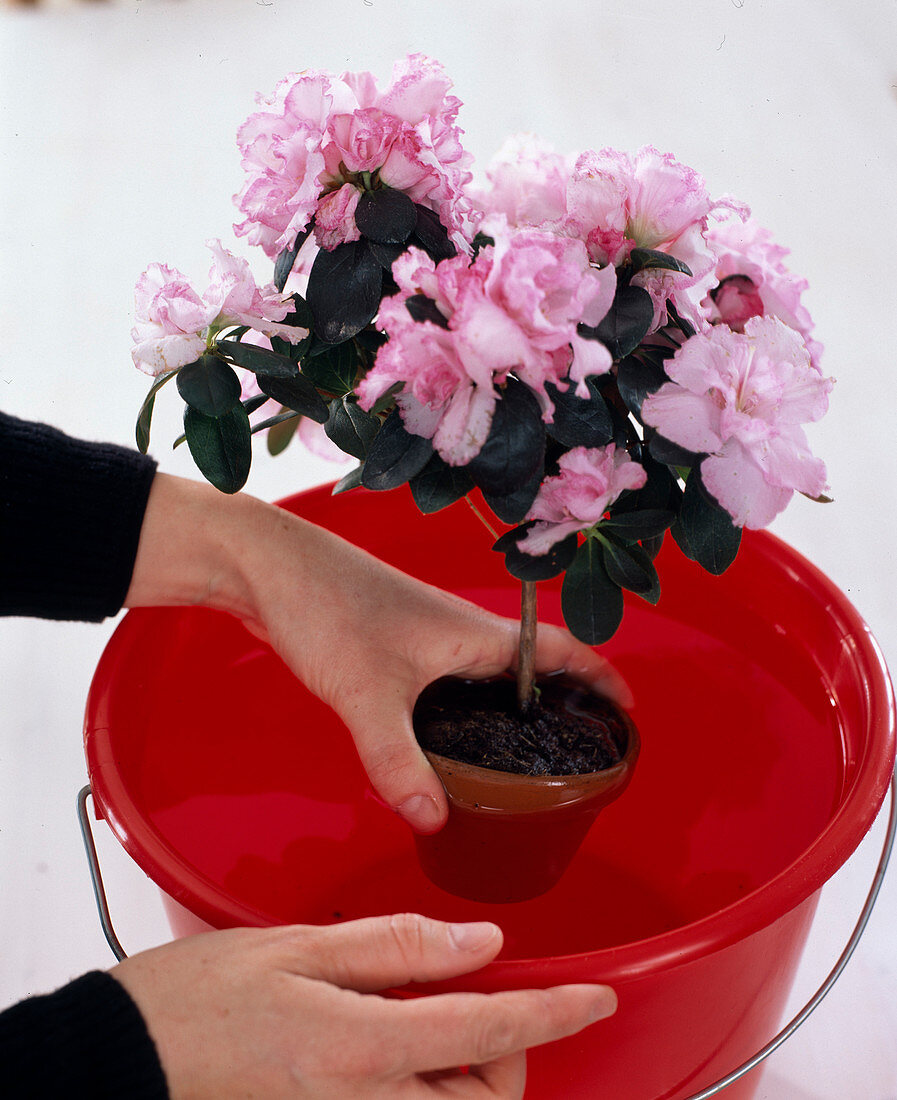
pixel 514 506
pixel 295 393
pixel 629 566
pixel 395 455
pixel 438 485
pixel 579 421
pixel 704 530
pixel 145 416
pixel 592 604
pixel 431 235
pixel 638 525
pixel 275 421
pixel 641 258
pixel 423 308
pixel 209 385
pixel 626 323
pixel 386 254
pixel 287 258
pixel 281 435
pixel 535 567
pixel 669 453
pixel 636 378
pixel 386 215
pixel 335 370
pixel 221 446
pixel 344 290
pixel 258 360
pixel 301 316
pixel 350 428
pixel 515 447
pixel 254 403
pixel 352 480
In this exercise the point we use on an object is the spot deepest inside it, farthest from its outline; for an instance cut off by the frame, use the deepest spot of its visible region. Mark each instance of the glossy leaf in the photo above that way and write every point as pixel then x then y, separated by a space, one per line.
pixel 669 453
pixel 535 567
pixel 423 308
pixel 209 385
pixel 592 604
pixel 344 290
pixel 386 215
pixel 350 428
pixel 295 393
pixel 254 403
pixel 515 447
pixel 626 323
pixel 221 446
pixel 431 235
pixel 512 507
pixel 145 416
pixel 438 485
pixel 638 525
pixel 284 263
pixel 636 378
pixel 335 370
pixel 281 435
pixel 352 480
pixel 386 254
pixel 579 421
pixel 640 258
pixel 258 360
pixel 704 530
pixel 395 455
pixel 629 566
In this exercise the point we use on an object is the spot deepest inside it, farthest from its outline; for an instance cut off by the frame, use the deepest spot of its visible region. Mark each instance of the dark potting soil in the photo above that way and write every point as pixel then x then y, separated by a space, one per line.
pixel 567 732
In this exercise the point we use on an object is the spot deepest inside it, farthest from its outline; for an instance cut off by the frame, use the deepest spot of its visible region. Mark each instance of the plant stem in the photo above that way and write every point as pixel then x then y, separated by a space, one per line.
pixel 526 658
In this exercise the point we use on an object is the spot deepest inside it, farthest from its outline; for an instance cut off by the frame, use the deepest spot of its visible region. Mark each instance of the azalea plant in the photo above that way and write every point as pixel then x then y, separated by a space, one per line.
pixel 594 344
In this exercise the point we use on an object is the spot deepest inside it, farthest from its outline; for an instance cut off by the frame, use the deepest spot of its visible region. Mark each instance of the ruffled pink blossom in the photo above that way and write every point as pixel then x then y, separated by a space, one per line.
pixel 754 282
pixel 318 132
pixel 335 221
pixel 589 480
pixel 527 186
pixel 513 310
pixel 174 324
pixel 742 398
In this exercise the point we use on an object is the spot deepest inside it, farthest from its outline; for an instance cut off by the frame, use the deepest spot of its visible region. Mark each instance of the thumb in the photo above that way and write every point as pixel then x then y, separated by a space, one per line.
pixel 379 952
pixel 394 762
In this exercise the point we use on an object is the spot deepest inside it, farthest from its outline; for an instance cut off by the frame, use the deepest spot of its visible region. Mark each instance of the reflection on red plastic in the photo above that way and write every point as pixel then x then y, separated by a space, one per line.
pixel 767 724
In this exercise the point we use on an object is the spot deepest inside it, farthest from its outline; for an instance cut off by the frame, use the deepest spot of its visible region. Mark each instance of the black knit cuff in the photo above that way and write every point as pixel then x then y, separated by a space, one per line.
pixel 86 1040
pixel 70 519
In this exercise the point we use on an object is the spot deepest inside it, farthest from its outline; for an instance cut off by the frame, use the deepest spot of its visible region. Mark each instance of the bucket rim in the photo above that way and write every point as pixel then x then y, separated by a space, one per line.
pixel 860 802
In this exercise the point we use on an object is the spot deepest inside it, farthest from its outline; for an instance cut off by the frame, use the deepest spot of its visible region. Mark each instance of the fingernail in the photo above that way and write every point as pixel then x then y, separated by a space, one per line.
pixel 422 813
pixel 604 1005
pixel 472 936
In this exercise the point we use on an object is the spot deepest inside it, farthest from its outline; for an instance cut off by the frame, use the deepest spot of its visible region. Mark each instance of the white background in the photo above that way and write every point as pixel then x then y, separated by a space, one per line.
pixel 117 147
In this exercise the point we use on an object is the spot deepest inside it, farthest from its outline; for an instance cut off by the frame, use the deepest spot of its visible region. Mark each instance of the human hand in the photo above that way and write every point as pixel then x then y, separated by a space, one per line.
pixel 363 636
pixel 294 1012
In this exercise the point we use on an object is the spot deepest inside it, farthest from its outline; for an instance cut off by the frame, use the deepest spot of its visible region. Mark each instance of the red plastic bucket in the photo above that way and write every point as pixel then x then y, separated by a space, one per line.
pixel 767 723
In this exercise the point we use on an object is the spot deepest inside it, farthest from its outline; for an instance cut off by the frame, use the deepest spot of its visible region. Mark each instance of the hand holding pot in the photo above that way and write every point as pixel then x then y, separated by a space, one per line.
pixel 294 1012
pixel 363 636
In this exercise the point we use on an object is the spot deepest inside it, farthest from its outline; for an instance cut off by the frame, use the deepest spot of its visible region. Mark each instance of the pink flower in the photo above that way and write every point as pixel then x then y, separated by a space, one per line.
pixel 754 282
pixel 335 221
pixel 174 324
pixel 741 398
pixel 513 310
pixel 318 132
pixel 589 480
pixel 527 185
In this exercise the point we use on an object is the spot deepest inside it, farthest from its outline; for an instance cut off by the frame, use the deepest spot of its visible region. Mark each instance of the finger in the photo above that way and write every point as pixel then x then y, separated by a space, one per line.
pixel 397 768
pixel 379 952
pixel 456 1029
pixel 505 1077
pixel 557 650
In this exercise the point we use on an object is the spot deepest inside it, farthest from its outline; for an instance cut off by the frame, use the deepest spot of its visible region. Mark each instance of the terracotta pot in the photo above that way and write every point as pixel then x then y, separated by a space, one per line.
pixel 510 837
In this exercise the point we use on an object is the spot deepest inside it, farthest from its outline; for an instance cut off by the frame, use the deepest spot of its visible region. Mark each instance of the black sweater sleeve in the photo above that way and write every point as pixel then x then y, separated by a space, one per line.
pixel 70 517
pixel 87 1040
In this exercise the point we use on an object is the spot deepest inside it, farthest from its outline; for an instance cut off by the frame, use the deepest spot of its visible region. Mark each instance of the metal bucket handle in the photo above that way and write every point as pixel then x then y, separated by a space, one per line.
pixel 112 939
